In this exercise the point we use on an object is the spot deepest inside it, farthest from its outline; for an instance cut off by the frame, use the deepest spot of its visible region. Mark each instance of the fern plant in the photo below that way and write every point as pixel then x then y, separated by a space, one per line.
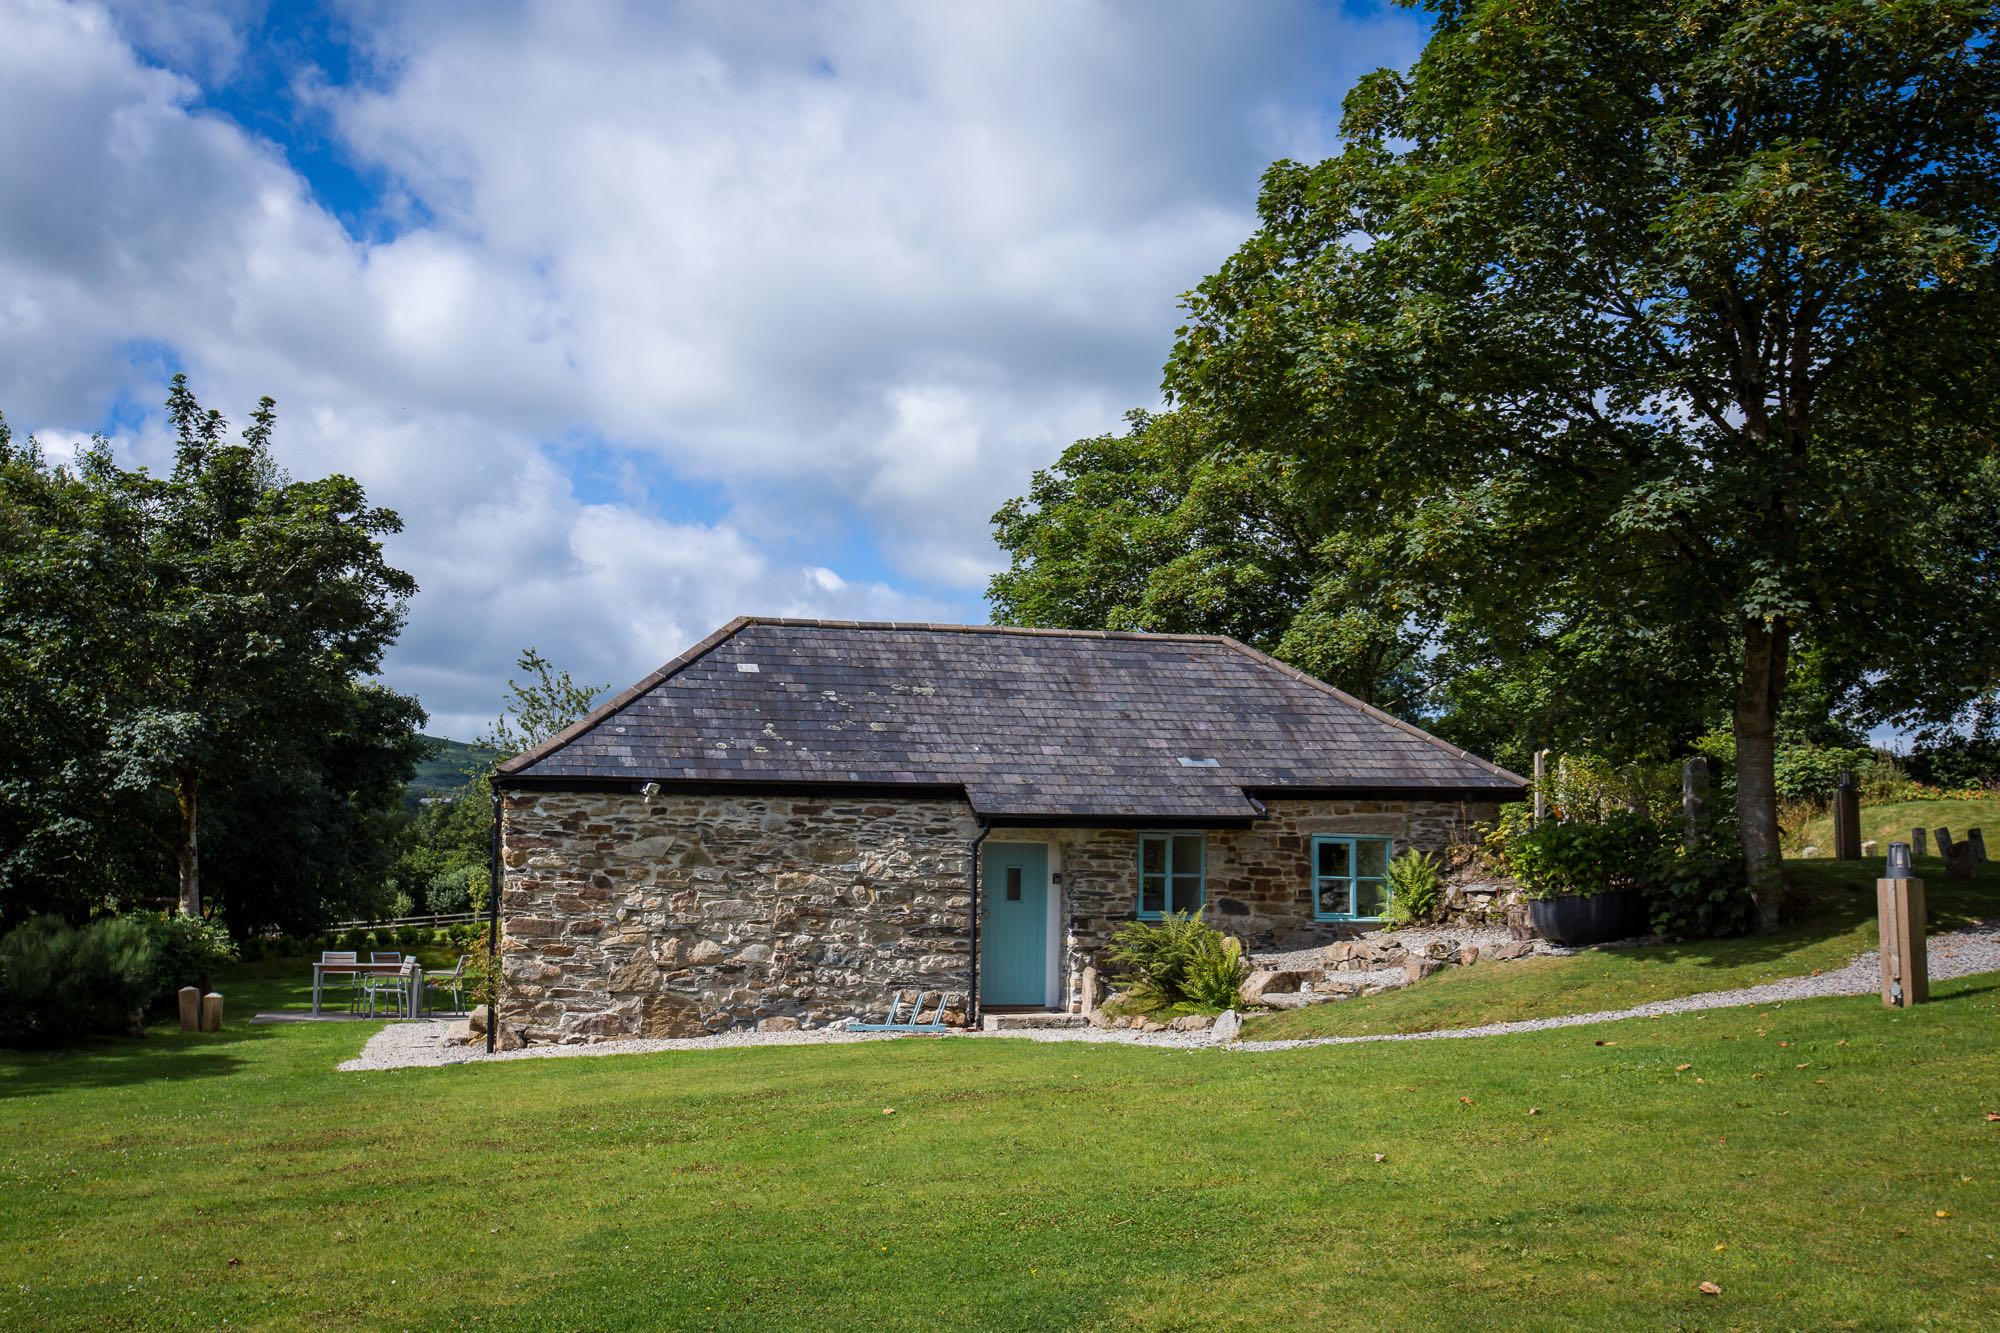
pixel 1415 889
pixel 1179 959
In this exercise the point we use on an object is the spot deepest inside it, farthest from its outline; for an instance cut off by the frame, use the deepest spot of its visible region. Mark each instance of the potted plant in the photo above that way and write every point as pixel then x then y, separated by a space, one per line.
pixel 1583 880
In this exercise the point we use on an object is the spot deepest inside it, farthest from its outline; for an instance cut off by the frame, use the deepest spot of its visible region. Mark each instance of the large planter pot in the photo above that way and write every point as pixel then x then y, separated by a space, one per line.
pixel 1590 919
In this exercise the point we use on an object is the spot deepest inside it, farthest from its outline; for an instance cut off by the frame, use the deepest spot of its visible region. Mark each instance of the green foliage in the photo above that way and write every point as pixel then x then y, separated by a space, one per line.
pixel 1168 528
pixel 1699 893
pixel 61 983
pixel 1179 959
pixel 1415 889
pixel 185 692
pixel 1962 758
pixel 189 950
pixel 1558 858
pixel 1658 342
pixel 538 708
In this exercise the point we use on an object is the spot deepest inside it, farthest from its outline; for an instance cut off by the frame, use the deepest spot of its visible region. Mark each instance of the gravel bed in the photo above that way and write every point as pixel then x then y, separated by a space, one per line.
pixel 1955 953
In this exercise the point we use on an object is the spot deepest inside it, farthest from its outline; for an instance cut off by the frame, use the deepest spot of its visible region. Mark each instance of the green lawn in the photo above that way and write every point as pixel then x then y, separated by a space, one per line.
pixel 1892 823
pixel 1833 918
pixel 192 1182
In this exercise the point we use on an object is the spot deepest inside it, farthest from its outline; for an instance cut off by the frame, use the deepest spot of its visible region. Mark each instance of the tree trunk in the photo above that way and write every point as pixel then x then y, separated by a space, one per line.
pixel 1766 647
pixel 190 846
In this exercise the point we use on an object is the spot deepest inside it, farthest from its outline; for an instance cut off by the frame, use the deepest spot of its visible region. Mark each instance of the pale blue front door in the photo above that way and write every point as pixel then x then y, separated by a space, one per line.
pixel 1014 940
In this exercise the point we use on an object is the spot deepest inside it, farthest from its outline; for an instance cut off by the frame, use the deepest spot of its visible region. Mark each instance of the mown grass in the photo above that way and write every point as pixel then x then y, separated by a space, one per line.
pixel 1828 1164
pixel 1892 823
pixel 1833 918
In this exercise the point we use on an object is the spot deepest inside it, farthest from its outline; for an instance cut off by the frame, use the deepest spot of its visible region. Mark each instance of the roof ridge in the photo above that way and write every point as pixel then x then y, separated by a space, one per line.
pixel 940 627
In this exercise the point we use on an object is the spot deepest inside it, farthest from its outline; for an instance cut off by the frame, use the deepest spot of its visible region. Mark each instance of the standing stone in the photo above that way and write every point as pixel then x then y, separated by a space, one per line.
pixel 1847 820
pixel 1868 849
pixel 1541 785
pixel 1918 845
pixel 211 1012
pixel 1978 844
pixel 1089 989
pixel 190 1005
pixel 1228 1026
pixel 1944 842
pixel 1694 799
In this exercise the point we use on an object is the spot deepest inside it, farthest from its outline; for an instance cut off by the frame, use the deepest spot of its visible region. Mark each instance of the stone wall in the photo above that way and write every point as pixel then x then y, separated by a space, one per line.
pixel 1259 885
pixel 689 915
pixel 696 914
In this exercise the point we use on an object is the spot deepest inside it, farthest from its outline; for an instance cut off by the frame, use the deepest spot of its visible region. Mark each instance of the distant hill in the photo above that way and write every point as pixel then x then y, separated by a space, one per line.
pixel 448 769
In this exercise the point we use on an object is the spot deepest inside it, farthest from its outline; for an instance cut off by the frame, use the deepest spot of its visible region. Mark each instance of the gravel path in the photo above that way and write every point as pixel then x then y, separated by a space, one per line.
pixel 1955 953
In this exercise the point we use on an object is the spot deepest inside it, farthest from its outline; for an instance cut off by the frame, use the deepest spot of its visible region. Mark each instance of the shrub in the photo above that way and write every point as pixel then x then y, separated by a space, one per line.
pixel 1556 858
pixel 355 939
pixel 1699 893
pixel 461 889
pixel 62 983
pixel 1414 889
pixel 1181 959
pixel 190 949
pixel 410 936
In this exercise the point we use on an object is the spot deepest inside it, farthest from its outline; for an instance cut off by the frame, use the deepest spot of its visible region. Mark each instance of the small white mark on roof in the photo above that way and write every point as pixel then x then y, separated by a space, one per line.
pixel 750 667
pixel 1186 762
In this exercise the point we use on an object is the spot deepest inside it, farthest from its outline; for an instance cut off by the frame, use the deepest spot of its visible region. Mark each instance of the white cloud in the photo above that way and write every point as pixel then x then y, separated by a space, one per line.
pixel 841 268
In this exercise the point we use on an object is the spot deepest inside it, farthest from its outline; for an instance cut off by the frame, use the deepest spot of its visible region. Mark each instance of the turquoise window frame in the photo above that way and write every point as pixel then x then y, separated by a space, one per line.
pixel 1170 876
pixel 1352 879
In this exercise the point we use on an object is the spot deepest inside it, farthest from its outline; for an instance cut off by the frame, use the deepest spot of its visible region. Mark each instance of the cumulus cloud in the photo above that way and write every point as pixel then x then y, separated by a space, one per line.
pixel 816 285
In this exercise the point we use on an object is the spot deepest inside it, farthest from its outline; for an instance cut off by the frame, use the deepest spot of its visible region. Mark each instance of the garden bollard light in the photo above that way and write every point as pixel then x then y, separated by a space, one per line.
pixel 190 1003
pixel 211 1012
pixel 1899 909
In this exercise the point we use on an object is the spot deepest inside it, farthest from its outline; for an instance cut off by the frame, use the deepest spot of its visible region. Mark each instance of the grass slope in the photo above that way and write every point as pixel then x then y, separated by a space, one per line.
pixel 1828 1164
pixel 1892 823
pixel 1833 919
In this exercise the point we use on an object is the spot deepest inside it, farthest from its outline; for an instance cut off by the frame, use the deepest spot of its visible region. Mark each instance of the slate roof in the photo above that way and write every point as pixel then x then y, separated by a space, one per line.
pixel 1054 724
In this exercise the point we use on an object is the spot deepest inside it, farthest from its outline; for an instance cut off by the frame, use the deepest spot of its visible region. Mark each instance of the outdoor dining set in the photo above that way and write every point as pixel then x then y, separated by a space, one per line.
pixel 395 984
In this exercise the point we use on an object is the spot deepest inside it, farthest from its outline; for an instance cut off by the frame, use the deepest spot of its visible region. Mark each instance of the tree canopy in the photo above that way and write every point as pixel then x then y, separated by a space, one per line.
pixel 190 662
pixel 1654 344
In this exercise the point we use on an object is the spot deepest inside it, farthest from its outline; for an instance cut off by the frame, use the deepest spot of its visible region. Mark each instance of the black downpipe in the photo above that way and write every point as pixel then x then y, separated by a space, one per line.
pixel 493 930
pixel 972 883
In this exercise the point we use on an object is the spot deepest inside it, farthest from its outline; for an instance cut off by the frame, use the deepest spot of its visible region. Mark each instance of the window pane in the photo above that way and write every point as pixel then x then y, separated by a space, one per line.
pixel 1333 900
pixel 1152 895
pixel 1187 855
pixel 1152 856
pixel 1013 884
pixel 1371 857
pixel 1333 859
pixel 1370 897
pixel 1187 893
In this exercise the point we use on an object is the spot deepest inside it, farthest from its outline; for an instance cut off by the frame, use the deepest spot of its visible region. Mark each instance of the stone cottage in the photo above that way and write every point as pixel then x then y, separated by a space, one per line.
pixel 795 818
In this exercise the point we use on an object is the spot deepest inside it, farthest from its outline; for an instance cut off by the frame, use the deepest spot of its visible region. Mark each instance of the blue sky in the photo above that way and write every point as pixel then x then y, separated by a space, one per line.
pixel 642 315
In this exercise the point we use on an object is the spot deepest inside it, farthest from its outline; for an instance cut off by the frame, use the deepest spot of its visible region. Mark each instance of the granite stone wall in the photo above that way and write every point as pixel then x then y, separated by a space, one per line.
pixel 689 915
pixel 1259 881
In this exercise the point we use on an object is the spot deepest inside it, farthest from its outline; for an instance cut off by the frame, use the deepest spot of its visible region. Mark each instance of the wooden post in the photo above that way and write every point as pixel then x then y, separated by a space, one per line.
pixel 211 1012
pixel 190 1003
pixel 1846 820
pixel 1906 965
pixel 1541 785
pixel 1918 845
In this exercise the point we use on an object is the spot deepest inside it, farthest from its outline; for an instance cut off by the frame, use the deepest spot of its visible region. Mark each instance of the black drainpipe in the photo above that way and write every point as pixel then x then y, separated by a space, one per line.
pixel 972 884
pixel 493 929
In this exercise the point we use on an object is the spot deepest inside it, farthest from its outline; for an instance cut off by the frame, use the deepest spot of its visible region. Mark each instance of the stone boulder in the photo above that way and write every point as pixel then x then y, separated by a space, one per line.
pixel 1416 969
pixel 1228 1026
pixel 1267 981
pixel 479 1018
pixel 780 1023
pixel 1510 950
pixel 1466 955
pixel 1192 1023
pixel 665 1014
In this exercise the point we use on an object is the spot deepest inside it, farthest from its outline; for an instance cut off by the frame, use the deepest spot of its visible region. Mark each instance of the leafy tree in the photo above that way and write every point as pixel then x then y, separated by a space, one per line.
pixel 203 640
pixel 1169 530
pixel 1663 336
pixel 538 708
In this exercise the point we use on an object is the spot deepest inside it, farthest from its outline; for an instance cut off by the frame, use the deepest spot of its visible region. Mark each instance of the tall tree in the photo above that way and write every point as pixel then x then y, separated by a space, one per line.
pixel 1167 528
pixel 1666 334
pixel 210 627
pixel 538 707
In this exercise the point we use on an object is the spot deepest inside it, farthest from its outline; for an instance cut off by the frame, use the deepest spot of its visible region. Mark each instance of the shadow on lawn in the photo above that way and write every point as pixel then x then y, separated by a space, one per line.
pixel 122 1061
